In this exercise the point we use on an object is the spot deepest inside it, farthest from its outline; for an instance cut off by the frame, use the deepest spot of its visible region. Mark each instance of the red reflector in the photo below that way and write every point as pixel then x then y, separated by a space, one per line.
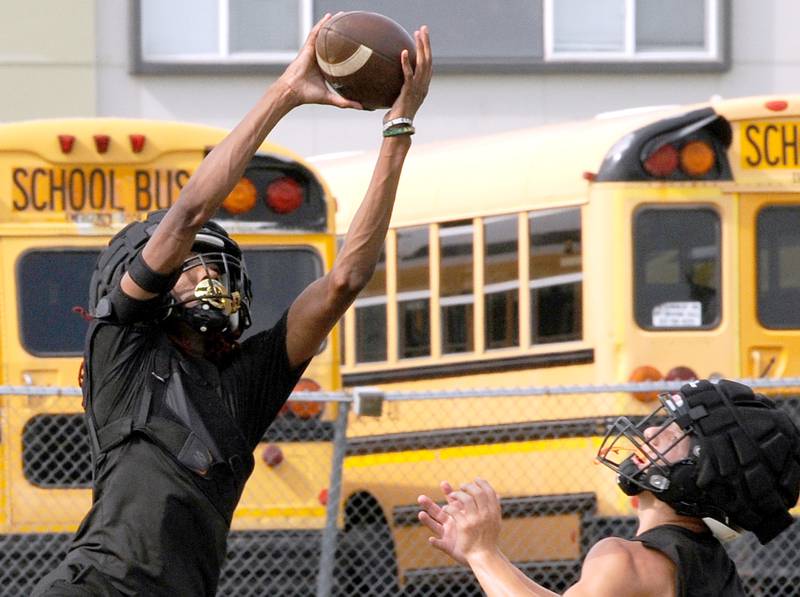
pixel 323 497
pixel 776 105
pixel 66 142
pixel 590 176
pixel 101 143
pixel 662 162
pixel 284 195
pixel 137 143
pixel 272 455
pixel 680 373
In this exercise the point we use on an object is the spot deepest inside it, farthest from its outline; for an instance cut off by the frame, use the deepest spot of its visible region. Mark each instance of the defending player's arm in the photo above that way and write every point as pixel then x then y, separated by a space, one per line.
pixel 467 529
pixel 219 172
pixel 319 307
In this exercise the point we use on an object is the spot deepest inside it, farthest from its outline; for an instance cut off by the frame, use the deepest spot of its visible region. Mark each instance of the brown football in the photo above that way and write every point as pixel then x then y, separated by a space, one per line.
pixel 359 55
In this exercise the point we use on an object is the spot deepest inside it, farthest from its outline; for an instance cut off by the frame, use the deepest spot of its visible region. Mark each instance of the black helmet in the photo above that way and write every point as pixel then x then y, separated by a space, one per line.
pixel 743 465
pixel 223 306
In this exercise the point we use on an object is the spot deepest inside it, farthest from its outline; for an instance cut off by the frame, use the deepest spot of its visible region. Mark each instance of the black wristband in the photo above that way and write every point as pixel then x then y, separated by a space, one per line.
pixel 151 281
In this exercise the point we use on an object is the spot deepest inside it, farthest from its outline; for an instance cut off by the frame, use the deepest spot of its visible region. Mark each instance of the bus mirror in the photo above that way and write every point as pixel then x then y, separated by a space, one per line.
pixel 368 402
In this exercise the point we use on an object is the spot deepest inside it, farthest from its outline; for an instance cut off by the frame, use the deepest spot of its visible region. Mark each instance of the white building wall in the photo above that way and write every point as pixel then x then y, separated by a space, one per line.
pixel 51 64
pixel 47 58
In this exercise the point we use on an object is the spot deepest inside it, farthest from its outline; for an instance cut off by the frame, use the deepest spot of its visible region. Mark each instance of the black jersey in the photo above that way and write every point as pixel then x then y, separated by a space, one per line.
pixel 155 526
pixel 703 567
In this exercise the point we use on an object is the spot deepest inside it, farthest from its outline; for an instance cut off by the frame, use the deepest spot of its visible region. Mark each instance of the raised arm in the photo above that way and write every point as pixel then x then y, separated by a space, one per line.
pixel 319 307
pixel 219 172
pixel 468 527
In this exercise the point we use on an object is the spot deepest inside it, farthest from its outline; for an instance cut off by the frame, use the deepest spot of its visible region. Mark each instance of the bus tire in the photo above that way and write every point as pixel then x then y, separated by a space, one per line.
pixel 365 562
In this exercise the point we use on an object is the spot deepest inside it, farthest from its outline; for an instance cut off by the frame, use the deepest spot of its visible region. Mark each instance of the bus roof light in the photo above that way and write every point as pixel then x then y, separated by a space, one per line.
pixel 662 162
pixel 697 158
pixel 66 142
pixel 101 143
pixel 776 105
pixel 137 142
pixel 284 195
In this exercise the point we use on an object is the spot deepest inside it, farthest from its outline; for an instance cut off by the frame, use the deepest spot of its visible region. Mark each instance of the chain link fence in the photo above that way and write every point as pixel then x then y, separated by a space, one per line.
pixel 361 535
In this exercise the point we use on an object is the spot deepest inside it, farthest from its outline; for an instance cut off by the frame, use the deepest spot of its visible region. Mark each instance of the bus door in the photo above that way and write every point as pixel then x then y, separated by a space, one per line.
pixel 769 257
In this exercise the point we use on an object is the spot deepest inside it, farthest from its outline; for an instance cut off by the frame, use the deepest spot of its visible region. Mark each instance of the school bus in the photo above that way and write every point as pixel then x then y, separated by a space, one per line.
pixel 66 187
pixel 649 244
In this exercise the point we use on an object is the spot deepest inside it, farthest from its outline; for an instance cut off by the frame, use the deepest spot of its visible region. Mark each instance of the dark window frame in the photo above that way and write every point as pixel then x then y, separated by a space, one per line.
pixel 25 339
pixel 760 307
pixel 719 62
pixel 709 208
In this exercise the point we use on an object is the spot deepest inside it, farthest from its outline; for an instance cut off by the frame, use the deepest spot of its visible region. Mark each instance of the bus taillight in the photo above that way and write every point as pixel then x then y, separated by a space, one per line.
pixel 284 195
pixel 242 198
pixel 304 409
pixel 681 373
pixel 662 162
pixel 697 158
pixel 645 373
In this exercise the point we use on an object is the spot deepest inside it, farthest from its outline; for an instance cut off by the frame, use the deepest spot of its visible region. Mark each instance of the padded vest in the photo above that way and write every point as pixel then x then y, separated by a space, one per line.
pixel 184 415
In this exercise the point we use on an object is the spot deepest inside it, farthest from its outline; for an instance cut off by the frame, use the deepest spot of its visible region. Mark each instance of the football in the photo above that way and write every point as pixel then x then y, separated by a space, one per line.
pixel 359 56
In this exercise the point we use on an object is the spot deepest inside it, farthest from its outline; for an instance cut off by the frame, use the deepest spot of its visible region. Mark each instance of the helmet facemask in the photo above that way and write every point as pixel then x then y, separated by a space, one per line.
pixel 635 455
pixel 221 300
pixel 742 468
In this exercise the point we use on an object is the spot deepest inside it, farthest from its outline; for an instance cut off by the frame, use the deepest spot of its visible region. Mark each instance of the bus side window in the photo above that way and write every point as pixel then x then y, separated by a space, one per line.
pixel 413 292
pixel 677 268
pixel 455 282
pixel 555 275
pixel 501 282
pixel 370 320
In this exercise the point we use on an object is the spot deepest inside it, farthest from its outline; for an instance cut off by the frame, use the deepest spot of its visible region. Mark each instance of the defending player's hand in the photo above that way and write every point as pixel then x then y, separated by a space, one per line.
pixel 475 509
pixel 304 78
pixel 441 524
pixel 417 79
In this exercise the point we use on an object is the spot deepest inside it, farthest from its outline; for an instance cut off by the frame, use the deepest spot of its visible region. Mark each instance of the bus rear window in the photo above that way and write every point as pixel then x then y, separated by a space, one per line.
pixel 52 282
pixel 778 230
pixel 278 276
pixel 676 268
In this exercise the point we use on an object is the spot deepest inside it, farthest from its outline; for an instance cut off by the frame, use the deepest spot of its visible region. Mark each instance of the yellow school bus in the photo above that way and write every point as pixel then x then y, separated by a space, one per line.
pixel 650 244
pixel 66 187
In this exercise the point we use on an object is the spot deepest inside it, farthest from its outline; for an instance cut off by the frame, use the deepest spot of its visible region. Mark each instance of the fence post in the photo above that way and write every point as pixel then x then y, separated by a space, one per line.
pixel 327 557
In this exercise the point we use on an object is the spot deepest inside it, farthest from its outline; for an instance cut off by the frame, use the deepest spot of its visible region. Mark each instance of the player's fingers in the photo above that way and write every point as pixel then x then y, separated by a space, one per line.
pixel 312 35
pixel 431 508
pixel 405 62
pixel 465 500
pixel 434 526
pixel 491 495
pixel 478 494
pixel 341 102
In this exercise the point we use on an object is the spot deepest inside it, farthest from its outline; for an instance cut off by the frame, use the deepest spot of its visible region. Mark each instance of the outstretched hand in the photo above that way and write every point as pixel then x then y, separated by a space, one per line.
pixel 304 79
pixel 469 524
pixel 417 79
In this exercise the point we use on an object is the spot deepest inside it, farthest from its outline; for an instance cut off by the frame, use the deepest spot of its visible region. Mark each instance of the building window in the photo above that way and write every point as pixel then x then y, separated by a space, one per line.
pixel 631 30
pixel 252 36
pixel 222 31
